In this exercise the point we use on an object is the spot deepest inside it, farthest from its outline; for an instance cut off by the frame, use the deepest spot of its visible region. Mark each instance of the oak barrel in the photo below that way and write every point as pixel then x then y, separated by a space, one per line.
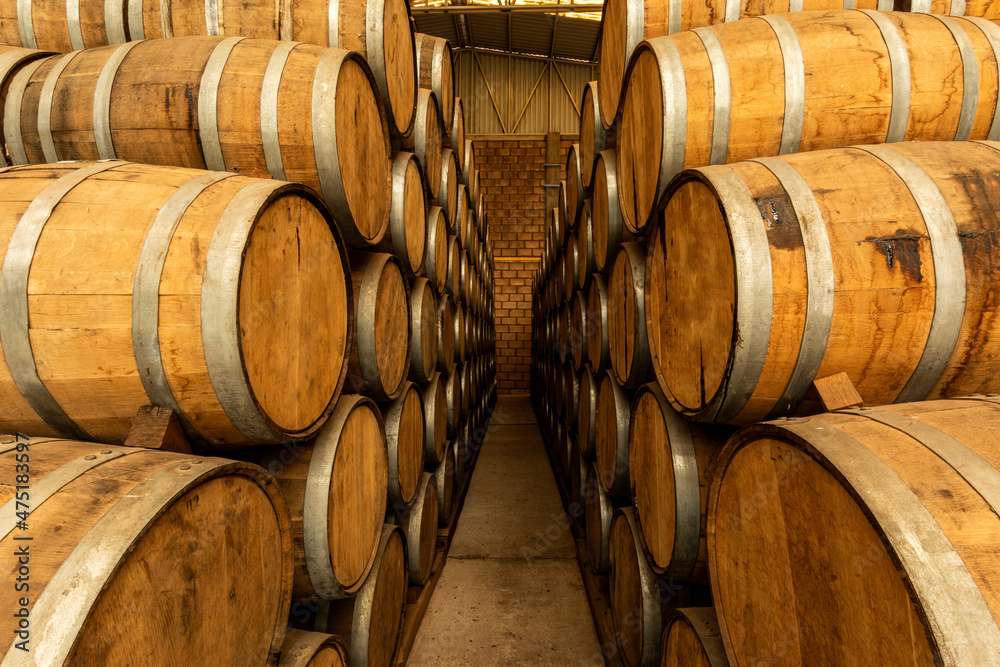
pixel 453 399
pixel 586 263
pixel 597 518
pixel 436 255
pixel 593 136
pixel 435 422
pixel 335 488
pixel 606 213
pixel 407 234
pixel 425 139
pixel 927 78
pixel 434 71
pixel 691 638
pixel 574 186
pixel 635 594
pixel 598 350
pixel 404 438
pixel 423 330
pixel 611 437
pixel 420 523
pixel 445 478
pixel 627 340
pixel 312 649
pixel 456 136
pixel 371 623
pixel 295 111
pixel 445 320
pixel 380 357
pixel 578 329
pixel 868 530
pixel 671 465
pixel 875 261
pixel 109 526
pixel 469 171
pixel 586 413
pixel 447 195
pixel 187 300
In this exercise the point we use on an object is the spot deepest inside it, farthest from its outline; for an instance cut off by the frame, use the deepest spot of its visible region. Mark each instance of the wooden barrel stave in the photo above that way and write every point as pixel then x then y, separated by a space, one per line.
pixel 407 234
pixel 404 436
pixel 423 330
pixel 691 638
pixel 635 594
pixel 435 72
pixel 611 438
pixel 425 139
pixel 312 649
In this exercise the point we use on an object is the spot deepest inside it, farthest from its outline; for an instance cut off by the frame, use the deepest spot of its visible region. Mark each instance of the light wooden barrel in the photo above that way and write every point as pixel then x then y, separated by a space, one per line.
pixel 635 594
pixel 593 136
pixel 671 465
pixel 949 94
pixel 895 505
pixel 466 230
pixel 312 649
pixel 460 339
pixel 608 228
pixel 578 329
pixel 586 413
pixel 586 263
pixel 445 320
pixel 598 351
pixel 611 437
pixel 469 171
pixel 420 523
pixel 447 196
pixel 436 255
pixel 245 346
pixel 453 399
pixel 574 185
pixel 380 356
pixel 423 330
pixel 407 234
pixel 463 213
pixel 845 229
pixel 108 529
pixel 597 519
pixel 456 136
pixel 221 104
pixel 404 437
pixel 434 71
pixel 435 422
pixel 691 638
pixel 335 488
pixel 445 477
pixel 371 623
pixel 12 60
pixel 627 340
pixel 425 139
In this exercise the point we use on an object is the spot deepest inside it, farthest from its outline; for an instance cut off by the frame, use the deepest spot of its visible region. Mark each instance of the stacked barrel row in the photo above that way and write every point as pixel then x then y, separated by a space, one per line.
pixel 308 223
pixel 741 219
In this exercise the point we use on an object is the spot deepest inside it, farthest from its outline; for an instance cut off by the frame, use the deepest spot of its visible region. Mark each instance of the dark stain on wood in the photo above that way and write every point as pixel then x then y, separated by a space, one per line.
pixel 902 248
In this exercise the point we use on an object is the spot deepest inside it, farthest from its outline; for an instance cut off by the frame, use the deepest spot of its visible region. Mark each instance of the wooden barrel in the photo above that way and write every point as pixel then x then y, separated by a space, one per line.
pixel 447 196
pixel 569 276
pixel 445 477
pixel 463 213
pixel 608 228
pixel 611 437
pixel 593 136
pixel 336 494
pixel 466 230
pixel 597 517
pixel 452 284
pixel 423 330
pixel 586 264
pixel 333 136
pixel 453 399
pixel 380 356
pixel 578 329
pixel 420 523
pixel 586 413
pixel 598 351
pixel 436 256
pixel 671 465
pixel 574 186
pixel 243 352
pixel 371 623
pixel 920 226
pixel 434 71
pixel 435 422
pixel 571 395
pixel 691 638
pixel 12 60
pixel 635 593
pixel 460 339
pixel 445 320
pixel 464 372
pixel 896 499
pixel 666 126
pixel 404 437
pixel 562 348
pixel 407 235
pixel 425 140
pixel 469 171
pixel 109 526
pixel 627 340
pixel 311 649
pixel 456 136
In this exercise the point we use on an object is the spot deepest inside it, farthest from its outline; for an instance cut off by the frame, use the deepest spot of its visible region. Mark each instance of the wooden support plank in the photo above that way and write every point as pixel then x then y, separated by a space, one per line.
pixel 837 392
pixel 158 428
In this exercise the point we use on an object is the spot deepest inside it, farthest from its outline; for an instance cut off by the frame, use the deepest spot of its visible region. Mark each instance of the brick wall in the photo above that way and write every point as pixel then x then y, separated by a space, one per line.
pixel 512 175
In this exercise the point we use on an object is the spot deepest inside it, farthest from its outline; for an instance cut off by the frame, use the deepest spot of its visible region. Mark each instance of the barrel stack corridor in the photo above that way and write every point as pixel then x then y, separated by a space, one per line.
pixel 295 372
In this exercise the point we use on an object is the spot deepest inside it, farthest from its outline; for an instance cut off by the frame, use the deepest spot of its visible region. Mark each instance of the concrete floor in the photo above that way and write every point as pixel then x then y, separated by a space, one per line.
pixel 511 591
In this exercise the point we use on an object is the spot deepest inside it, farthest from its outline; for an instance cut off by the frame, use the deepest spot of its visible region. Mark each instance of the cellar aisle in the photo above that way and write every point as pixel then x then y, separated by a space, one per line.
pixel 511 591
